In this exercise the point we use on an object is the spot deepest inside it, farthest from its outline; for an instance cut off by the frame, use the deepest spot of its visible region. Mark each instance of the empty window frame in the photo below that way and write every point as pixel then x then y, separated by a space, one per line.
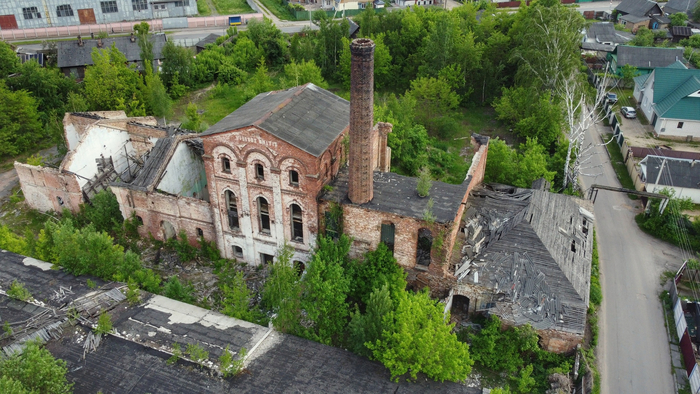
pixel 387 235
pixel 259 172
pixel 139 5
pixel 64 10
pixel 31 13
pixel 237 251
pixel 573 246
pixel 293 178
pixel 200 232
pixel 297 224
pixel 299 267
pixel 680 125
pixel 266 258
pixel 424 247
pixel 264 215
pixel 109 7
pixel 182 3
pixel 225 165
pixel 232 210
pixel 159 6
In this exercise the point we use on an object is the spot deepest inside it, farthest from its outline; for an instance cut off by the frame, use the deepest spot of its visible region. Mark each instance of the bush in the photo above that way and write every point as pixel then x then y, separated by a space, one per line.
pixel 34 370
pixel 104 324
pixel 177 291
pixel 18 291
pixel 425 182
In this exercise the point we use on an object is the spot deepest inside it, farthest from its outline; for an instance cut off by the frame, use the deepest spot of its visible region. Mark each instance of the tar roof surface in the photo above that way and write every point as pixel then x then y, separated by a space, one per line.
pixel 210 39
pixel 647 57
pixel 72 55
pixel 605 32
pixel 306 116
pixel 634 18
pixel 397 194
pixel 674 6
pixel 677 172
pixel 135 360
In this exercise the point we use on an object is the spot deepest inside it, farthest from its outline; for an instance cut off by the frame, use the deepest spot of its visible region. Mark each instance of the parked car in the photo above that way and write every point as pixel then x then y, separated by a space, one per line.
pixel 611 97
pixel 628 112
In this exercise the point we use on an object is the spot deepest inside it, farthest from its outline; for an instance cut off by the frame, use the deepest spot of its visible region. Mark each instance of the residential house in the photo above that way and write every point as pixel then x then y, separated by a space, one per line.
pixel 202 44
pixel 633 155
pixel 637 8
pixel 634 22
pixel 670 98
pixel 675 6
pixel 659 22
pixel 681 33
pixel 645 59
pixel 25 14
pixel 527 259
pixel 344 5
pixel 677 174
pixel 603 37
pixel 133 358
pixel 75 55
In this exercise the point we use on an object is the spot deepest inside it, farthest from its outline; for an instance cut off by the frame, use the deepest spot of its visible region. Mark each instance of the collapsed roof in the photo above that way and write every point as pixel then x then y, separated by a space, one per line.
pixel 532 250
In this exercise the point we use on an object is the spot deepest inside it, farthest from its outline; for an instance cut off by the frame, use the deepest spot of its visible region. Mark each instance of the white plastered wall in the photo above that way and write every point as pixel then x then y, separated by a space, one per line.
pixel 99 141
pixel 185 174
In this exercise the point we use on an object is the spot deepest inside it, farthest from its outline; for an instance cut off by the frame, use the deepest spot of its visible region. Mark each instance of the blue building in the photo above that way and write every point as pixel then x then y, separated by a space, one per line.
pixel 23 14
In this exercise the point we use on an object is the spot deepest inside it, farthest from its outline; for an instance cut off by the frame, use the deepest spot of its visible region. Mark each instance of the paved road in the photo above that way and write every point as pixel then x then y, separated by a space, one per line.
pixel 633 350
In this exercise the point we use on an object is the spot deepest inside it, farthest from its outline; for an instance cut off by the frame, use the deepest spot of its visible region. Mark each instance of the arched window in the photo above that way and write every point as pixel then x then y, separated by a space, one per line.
pixel 259 172
pixel 297 224
pixel 293 178
pixel 425 244
pixel 299 267
pixel 264 213
pixel 232 210
pixel 237 251
pixel 225 164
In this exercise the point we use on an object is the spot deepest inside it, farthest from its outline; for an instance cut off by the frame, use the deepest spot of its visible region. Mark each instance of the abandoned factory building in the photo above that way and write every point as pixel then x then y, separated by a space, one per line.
pixel 294 163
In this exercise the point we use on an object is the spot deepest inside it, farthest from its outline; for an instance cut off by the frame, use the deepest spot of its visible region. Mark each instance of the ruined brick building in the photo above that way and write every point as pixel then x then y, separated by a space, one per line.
pixel 294 163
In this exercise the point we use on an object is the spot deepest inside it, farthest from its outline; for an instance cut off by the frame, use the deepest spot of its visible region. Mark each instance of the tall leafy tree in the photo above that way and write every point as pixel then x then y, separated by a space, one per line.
pixel 329 44
pixel 177 65
pixel 48 85
pixel 20 128
pixel 303 72
pixel 111 82
pixel 368 327
pixel 34 370
pixel 146 46
pixel 8 60
pixel 532 113
pixel 282 293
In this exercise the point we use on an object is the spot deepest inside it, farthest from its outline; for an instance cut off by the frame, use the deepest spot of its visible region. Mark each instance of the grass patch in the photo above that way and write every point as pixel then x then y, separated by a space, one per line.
pixel 225 7
pixel 618 164
pixel 280 10
pixel 642 119
pixel 216 103
pixel 19 218
pixel 203 8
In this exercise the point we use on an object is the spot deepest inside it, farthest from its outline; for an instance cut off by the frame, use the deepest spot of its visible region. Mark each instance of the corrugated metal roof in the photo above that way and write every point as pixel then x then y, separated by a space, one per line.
pixel 677 172
pixel 672 86
pixel 647 57
pixel 636 7
pixel 72 55
pixel 306 116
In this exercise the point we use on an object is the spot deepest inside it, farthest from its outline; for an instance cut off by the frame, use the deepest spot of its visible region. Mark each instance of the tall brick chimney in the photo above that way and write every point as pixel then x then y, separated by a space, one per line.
pixel 360 188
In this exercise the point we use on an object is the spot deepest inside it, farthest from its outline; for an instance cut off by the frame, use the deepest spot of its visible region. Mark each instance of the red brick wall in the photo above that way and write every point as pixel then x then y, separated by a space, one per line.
pixel 42 187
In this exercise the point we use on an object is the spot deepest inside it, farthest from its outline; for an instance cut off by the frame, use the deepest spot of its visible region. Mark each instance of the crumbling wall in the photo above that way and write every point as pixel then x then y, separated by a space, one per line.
pixel 185 174
pixel 46 189
pixel 156 209
pixel 559 341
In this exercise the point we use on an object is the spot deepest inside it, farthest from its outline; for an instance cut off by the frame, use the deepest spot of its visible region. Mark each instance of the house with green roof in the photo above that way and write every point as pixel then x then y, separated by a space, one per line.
pixel 670 98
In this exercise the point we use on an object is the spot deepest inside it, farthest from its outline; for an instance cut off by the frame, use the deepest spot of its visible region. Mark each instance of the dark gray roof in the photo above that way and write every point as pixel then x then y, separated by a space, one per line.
pixel 674 6
pixel 306 116
pixel 683 31
pixel 605 32
pixel 677 172
pixel 594 46
pixel 397 194
pixel 354 27
pixel 525 238
pixel 72 55
pixel 636 7
pixel 135 362
pixel 647 57
pixel 663 19
pixel 210 39
pixel 632 18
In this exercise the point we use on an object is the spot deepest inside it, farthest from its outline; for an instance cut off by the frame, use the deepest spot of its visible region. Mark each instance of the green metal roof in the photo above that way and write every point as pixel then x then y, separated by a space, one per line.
pixel 672 85
pixel 678 65
pixel 640 79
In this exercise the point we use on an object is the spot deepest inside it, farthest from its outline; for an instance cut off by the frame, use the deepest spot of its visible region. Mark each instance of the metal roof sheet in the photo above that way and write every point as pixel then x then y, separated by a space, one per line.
pixel 72 55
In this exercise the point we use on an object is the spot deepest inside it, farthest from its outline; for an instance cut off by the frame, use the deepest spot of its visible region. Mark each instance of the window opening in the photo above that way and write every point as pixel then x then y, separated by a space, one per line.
pixel 299 267
pixel 573 246
pixel 139 5
pixel 680 124
pixel 109 7
pixel 31 13
pixel 425 244
pixel 232 210
pixel 225 164
pixel 237 251
pixel 264 210
pixel 294 178
pixel 140 219
pixel 200 233
pixel 60 200
pixel 64 10
pixel 297 224
pixel 259 172
pixel 266 258
pixel 181 3
pixel 387 236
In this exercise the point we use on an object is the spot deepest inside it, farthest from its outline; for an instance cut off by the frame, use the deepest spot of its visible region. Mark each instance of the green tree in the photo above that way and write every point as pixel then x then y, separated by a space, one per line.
pixel 696 12
pixel 382 63
pixel 260 82
pixel 628 72
pixel 177 65
pixel 269 40
pixel 532 164
pixel 236 298
pixel 408 141
pixel 20 128
pixel 324 290
pixel 48 86
pixel 344 63
pixel 174 289
pixel 531 113
pixel 329 44
pixel 194 121
pixel 419 339
pixel 368 327
pixel 34 370
pixel 9 62
pixel 679 19
pixel 146 46
pixel 378 268
pixel 110 82
pixel 246 54
pixel 282 293
pixel 434 99
pixel 104 324
pixel 501 163
pixel 505 165
pixel 159 103
pixel 300 73
pixel 643 38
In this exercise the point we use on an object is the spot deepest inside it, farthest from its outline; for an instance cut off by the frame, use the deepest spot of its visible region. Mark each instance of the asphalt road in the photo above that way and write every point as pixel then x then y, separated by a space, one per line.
pixel 633 351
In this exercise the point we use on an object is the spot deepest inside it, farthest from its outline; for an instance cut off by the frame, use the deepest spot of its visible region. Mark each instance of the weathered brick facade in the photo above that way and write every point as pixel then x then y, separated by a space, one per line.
pixel 362 138
pixel 47 189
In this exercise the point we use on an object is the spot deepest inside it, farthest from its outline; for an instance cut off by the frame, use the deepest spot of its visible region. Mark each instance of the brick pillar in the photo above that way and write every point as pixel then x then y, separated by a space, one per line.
pixel 384 150
pixel 361 168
